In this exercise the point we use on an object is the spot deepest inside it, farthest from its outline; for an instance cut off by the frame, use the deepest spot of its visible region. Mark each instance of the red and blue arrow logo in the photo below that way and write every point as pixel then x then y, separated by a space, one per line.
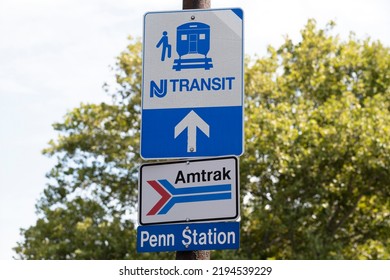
pixel 171 195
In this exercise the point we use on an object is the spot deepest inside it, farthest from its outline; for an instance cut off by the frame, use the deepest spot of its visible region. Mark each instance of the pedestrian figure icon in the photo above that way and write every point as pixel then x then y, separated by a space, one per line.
pixel 166 47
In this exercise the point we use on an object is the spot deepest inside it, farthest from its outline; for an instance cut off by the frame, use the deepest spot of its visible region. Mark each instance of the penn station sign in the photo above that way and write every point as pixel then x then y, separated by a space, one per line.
pixel 182 237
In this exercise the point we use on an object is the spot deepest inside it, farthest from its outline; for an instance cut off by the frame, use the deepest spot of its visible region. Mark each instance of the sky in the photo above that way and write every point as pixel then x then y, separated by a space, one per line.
pixel 56 54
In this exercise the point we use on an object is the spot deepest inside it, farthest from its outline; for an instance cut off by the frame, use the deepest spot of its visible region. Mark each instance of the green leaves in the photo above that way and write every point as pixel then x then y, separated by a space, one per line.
pixel 89 204
pixel 317 146
pixel 80 230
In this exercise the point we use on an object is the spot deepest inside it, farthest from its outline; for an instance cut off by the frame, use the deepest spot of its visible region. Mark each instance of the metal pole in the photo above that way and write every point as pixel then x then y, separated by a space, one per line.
pixel 203 254
pixel 196 4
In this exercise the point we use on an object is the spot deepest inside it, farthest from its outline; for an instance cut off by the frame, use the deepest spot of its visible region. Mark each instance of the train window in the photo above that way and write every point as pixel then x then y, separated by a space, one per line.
pixel 184 37
pixel 202 36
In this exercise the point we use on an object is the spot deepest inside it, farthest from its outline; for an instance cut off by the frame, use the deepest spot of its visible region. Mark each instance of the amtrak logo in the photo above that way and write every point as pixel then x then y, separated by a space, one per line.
pixel 171 195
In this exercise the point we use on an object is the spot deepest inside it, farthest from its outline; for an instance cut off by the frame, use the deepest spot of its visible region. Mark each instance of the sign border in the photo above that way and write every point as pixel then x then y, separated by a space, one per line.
pixel 237 202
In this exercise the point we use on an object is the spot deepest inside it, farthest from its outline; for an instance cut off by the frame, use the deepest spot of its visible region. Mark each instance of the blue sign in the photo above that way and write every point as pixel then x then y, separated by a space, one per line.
pixel 191 132
pixel 188 237
pixel 192 91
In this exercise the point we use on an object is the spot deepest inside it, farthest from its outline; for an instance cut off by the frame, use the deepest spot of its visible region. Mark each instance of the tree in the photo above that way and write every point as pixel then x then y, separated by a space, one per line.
pixel 316 167
pixel 87 209
pixel 315 177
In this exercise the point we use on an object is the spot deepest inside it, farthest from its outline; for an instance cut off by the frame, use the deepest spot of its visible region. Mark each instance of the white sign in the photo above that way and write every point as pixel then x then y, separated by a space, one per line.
pixel 192 88
pixel 189 191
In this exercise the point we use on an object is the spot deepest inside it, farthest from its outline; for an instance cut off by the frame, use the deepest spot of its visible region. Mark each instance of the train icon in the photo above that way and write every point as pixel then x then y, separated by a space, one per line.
pixel 193 41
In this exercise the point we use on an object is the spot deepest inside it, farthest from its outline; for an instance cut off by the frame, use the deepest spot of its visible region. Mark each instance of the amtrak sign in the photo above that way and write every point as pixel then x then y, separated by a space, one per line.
pixel 189 191
pixel 192 88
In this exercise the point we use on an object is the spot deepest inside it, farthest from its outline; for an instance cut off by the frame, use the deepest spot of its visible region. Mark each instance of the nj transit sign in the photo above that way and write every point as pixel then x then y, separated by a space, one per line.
pixel 192 87
pixel 189 191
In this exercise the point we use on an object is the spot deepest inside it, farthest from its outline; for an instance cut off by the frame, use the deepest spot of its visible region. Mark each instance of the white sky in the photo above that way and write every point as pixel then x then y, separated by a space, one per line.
pixel 55 54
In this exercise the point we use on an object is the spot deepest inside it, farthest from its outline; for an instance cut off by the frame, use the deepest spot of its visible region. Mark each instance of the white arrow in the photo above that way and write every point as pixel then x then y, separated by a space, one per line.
pixel 192 121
